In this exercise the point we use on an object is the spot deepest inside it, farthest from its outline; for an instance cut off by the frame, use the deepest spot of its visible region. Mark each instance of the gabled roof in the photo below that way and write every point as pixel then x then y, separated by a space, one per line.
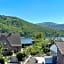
pixel 60 46
pixel 14 40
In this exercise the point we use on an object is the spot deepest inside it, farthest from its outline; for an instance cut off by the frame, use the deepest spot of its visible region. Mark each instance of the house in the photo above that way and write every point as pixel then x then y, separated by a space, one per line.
pixel 60 52
pixel 27 41
pixel 11 42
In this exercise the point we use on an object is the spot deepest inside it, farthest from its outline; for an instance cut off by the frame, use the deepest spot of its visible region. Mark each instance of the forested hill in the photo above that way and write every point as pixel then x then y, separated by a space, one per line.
pixel 9 24
pixel 52 25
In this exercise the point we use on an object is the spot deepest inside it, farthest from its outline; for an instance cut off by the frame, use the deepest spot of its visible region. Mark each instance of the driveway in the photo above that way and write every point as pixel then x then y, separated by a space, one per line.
pixel 31 61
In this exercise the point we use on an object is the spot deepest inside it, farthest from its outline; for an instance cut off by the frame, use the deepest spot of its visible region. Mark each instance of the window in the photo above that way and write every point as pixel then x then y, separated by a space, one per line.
pixel 5 43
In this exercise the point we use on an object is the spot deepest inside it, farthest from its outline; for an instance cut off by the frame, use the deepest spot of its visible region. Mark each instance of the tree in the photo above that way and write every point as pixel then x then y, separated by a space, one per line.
pixel 1 61
pixel 40 35
pixel 52 41
pixel 20 56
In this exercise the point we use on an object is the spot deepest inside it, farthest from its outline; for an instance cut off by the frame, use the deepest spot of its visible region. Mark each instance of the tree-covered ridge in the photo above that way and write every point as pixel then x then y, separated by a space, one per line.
pixel 52 25
pixel 16 25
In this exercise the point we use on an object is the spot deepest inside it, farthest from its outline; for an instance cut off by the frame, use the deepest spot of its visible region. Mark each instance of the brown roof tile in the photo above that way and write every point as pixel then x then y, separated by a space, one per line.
pixel 60 46
pixel 14 40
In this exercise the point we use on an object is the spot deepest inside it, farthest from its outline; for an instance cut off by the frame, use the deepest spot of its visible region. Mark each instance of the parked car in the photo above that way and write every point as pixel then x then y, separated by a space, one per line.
pixel 39 60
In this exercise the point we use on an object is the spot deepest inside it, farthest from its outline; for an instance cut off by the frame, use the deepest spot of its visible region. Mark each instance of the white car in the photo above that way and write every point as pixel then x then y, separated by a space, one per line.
pixel 39 60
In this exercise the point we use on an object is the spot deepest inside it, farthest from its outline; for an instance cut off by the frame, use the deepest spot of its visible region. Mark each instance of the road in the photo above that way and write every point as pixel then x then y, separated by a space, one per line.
pixel 31 61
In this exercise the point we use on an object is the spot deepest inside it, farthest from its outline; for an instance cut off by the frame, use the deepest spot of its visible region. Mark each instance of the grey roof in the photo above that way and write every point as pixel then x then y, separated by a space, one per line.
pixel 13 59
pixel 60 46
pixel 14 40
pixel 3 35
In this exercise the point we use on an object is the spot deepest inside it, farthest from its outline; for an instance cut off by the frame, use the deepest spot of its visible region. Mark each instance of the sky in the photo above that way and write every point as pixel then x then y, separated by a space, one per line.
pixel 34 11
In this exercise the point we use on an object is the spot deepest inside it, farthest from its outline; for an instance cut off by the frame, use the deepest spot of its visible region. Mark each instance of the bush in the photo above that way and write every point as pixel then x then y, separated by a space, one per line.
pixel 46 50
pixel 7 53
pixel 20 56
pixel 33 53
pixel 1 61
pixel 10 53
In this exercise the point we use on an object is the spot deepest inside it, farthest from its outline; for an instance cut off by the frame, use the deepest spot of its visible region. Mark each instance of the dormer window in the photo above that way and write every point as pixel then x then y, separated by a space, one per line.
pixel 5 43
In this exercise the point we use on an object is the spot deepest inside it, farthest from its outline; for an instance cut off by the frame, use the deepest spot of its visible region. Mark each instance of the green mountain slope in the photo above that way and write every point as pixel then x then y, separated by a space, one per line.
pixel 16 25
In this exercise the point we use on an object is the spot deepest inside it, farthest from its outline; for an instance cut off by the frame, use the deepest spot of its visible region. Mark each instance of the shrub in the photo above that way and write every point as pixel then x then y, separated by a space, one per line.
pixel 46 50
pixel 1 61
pixel 20 56
pixel 9 53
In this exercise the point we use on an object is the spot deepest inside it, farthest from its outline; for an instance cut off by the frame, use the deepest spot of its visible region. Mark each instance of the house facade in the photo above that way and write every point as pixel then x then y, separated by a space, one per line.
pixel 60 52
pixel 11 42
